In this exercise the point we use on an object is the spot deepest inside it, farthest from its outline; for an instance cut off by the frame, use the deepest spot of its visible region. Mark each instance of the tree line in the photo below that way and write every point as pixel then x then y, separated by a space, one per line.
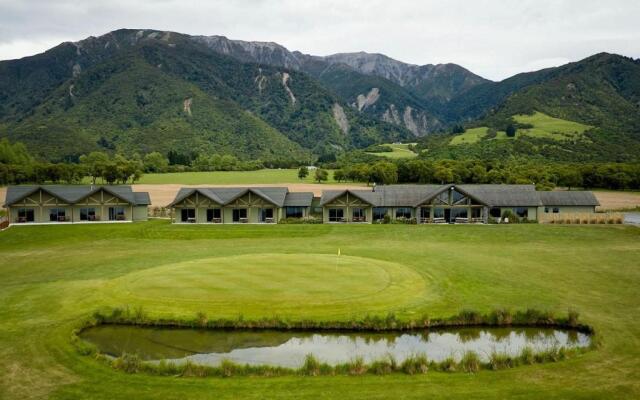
pixel 618 176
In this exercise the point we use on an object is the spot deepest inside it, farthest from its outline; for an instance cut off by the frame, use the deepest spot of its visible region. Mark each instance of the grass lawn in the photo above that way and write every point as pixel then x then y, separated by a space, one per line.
pixel 400 150
pixel 53 276
pixel 266 176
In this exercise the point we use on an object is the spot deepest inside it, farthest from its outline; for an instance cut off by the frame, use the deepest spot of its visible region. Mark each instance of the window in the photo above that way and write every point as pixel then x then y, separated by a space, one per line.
pixel 186 215
pixel 438 212
pixel 239 214
pixel 117 214
pixel 294 212
pixel 88 214
pixel 476 213
pixel 456 196
pixel 57 214
pixel 379 213
pixel 403 212
pixel 556 210
pixel 522 212
pixel 336 214
pixel 266 214
pixel 214 215
pixel 425 213
pixel 495 212
pixel 358 215
pixel 443 198
pixel 458 213
pixel 546 210
pixel 26 215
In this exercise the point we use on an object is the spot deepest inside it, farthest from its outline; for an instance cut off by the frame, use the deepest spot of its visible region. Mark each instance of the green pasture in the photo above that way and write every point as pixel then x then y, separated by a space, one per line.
pixel 400 150
pixel 544 126
pixel 53 277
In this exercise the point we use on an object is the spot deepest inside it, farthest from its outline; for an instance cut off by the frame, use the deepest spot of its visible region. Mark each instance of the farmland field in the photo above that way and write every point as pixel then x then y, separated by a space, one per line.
pixel 264 176
pixel 51 277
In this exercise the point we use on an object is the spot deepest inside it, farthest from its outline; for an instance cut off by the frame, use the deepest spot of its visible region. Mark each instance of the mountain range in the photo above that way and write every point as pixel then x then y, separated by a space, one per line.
pixel 147 90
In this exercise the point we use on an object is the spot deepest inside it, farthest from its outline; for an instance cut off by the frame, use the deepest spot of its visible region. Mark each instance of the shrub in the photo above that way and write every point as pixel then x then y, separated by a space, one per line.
pixel 384 366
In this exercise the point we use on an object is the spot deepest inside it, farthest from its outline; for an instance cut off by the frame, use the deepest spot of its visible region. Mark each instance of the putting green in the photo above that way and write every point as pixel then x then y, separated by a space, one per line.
pixel 269 284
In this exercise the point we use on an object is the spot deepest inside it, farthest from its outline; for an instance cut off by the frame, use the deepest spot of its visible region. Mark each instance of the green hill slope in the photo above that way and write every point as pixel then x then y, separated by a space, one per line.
pixel 153 91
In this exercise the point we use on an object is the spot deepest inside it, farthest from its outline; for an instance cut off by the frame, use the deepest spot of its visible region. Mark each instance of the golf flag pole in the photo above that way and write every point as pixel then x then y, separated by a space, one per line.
pixel 338 258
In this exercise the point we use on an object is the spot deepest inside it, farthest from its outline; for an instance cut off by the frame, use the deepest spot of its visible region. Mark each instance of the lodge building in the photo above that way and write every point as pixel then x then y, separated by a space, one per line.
pixel 422 204
pixel 68 204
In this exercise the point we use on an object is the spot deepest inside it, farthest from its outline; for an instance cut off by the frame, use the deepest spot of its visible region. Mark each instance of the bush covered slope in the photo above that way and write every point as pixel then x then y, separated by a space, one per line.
pixel 147 90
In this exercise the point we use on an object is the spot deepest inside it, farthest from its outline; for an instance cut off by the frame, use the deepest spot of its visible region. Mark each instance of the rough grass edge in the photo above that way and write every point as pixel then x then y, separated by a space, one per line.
pixel 417 364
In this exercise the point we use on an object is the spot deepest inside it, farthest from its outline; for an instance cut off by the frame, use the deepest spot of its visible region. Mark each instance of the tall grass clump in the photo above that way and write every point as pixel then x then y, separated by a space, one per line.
pixel 416 364
pixel 470 362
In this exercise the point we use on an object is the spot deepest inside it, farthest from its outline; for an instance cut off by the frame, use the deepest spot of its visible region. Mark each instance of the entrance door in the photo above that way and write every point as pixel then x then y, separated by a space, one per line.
pixel 447 215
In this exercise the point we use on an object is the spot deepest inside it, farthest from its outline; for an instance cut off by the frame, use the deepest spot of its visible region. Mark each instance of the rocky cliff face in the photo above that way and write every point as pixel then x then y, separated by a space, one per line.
pixel 413 91
pixel 441 81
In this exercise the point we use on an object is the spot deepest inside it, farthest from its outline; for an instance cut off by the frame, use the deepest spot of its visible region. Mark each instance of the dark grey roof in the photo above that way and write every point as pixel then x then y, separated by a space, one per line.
pixel 225 195
pixel 568 198
pixel 503 195
pixel 73 193
pixel 298 199
pixel 386 196
pixel 489 195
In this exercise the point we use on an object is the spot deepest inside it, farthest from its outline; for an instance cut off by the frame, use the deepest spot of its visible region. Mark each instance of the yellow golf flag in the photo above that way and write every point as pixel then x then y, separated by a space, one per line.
pixel 338 250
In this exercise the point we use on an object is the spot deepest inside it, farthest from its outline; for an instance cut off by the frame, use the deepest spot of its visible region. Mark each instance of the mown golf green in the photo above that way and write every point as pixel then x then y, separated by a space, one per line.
pixel 52 277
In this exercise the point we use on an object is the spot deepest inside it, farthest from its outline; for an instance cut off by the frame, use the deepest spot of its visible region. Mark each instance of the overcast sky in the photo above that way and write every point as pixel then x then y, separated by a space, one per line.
pixel 495 39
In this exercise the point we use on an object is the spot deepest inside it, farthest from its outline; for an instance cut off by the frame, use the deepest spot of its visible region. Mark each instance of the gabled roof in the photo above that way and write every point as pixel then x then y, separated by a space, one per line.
pixel 74 193
pixel 504 195
pixel 489 195
pixel 226 195
pixel 298 199
pixel 568 198
pixel 385 196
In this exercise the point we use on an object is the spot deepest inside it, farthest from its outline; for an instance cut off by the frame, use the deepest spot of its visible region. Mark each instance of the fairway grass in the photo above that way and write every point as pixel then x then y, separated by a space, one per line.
pixel 325 283
pixel 54 277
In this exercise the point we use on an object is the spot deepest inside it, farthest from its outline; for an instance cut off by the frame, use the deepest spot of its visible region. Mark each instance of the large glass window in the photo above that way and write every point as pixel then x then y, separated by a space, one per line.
pixel 438 212
pixel 266 215
pixel 458 213
pixel 88 214
pixel 57 214
pixel 476 212
pixel 495 212
pixel 26 215
pixel 403 212
pixel 379 213
pixel 556 210
pixel 425 214
pixel 214 215
pixel 456 196
pixel 358 215
pixel 240 215
pixel 336 214
pixel 117 214
pixel 186 215
pixel 294 212
pixel 522 212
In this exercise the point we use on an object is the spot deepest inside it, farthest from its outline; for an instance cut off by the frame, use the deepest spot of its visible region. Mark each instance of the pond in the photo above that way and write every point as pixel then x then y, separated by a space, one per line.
pixel 289 348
